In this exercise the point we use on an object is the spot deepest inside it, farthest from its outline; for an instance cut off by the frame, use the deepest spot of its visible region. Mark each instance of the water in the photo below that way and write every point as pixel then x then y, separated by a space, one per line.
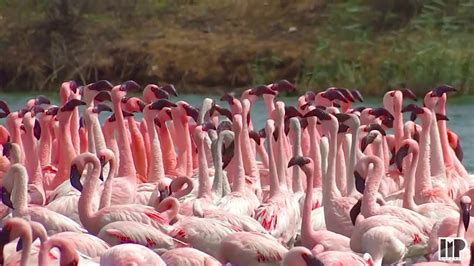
pixel 460 111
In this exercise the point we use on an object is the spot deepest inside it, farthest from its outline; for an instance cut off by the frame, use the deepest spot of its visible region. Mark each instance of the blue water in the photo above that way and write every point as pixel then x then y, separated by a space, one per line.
pixel 460 111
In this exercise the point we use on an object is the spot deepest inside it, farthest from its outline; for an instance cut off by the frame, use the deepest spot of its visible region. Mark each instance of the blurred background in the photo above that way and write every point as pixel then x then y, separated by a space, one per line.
pixel 210 46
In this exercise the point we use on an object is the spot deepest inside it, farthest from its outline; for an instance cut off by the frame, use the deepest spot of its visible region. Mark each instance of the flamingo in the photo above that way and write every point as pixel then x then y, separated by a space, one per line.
pixel 309 238
pixel 130 254
pixel 245 248
pixel 15 184
pixel 188 257
pixel 12 229
pixel 68 254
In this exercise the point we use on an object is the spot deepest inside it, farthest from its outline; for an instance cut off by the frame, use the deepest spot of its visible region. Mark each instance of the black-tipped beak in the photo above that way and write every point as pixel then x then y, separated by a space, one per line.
pixel 19 244
pixel 103 96
pixel 161 103
pixel 291 111
pixel 402 153
pixel 261 90
pixel 160 93
pixel 347 94
pixel 276 133
pixel 320 114
pixel 359 182
pixel 102 108
pixel 4 107
pixel 342 117
pixel 255 136
pixel 4 237
pixel 367 140
pixel 407 93
pixel 440 90
pixel 52 111
pixel 170 89
pixel 466 216
pixel 164 193
pixel 6 198
pixel 41 99
pixel 355 211
pixel 229 98
pixel 192 112
pixel 378 112
pixel 357 95
pixel 333 94
pixel 283 85
pixel 342 129
pixel 130 86
pixel 298 160
pixel 441 117
pixel 70 105
pixel 223 111
pixel 103 162
pixel 37 129
pixel 73 86
pixel 412 108
pixel 376 127
pixel 6 149
pixel 75 178
pixel 311 260
pixel 101 85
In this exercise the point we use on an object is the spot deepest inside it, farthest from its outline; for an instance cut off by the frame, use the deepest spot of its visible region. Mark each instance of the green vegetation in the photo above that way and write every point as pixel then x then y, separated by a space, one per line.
pixel 213 45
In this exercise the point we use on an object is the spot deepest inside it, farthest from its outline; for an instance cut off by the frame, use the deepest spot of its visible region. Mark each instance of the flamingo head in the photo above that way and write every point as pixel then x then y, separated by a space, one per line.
pixel 71 105
pixel 78 165
pixel 262 90
pixel 158 92
pixel 283 85
pixel 133 104
pixel 220 110
pixel 101 108
pixel 170 89
pixel 5 111
pixel 333 94
pixel 101 85
pixel 406 147
pixel 347 94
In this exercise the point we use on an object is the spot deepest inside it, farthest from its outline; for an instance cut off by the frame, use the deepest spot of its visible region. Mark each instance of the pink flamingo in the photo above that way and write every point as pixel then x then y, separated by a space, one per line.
pixel 241 200
pixel 310 238
pixel 435 211
pixel 278 214
pixel 301 256
pixel 12 229
pixel 188 257
pixel 67 252
pixel 245 248
pixel 369 207
pixel 130 254
pixel 15 182
pixel 94 221
pixel 424 190
pixel 336 207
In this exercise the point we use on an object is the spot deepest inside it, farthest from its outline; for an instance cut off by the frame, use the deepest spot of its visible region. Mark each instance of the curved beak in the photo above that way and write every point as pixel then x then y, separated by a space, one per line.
pixel 407 93
pixel 103 96
pixel 41 99
pixel 129 86
pixel 401 153
pixel 70 105
pixel 355 211
pixel 367 140
pixel 320 114
pixel 165 193
pixel 161 103
pixel 255 136
pixel 102 108
pixel 283 85
pixel 261 90
pixel 160 93
pixel 75 178
pixel 440 90
pixel 101 85
pixel 170 89
pixel 37 129
pixel 357 95
pixel 333 94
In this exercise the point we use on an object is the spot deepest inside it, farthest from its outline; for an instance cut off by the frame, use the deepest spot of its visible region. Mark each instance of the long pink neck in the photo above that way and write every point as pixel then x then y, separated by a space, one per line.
pixel 65 147
pixel 167 147
pixel 408 200
pixel 45 143
pixel 372 184
pixel 239 177
pixel 350 184
pixel 33 166
pixel 204 190
pixel 146 141
pixel 443 134
pixel 423 176
pixel 138 147
pixel 306 224
pixel 397 126
pixel 269 104
pixel 110 140
pixel 332 192
pixel 250 163
pixel 274 182
pixel 126 167
pixel 15 133
pixel 314 151
pixel 74 126
pixel 181 127
pixel 20 189
pixel 106 197
pixel 99 140
pixel 280 157
pixel 156 170
pixel 86 212
pixel 436 152
pixel 340 164
pixel 296 138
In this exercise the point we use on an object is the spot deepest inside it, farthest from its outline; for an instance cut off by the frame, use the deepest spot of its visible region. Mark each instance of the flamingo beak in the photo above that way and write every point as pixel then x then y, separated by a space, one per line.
pixel 466 216
pixel 170 89
pixel 6 149
pixel 407 93
pixel 402 152
pixel 311 260
pixel 160 93
pixel 6 198
pixel 359 182
pixel 440 90
pixel 19 245
pixel 75 178
pixel 165 193
pixel 298 160
pixel 255 136
pixel 4 238
pixel 42 100
pixel 37 129
pixel 101 85
pixel 355 211
pixel 130 85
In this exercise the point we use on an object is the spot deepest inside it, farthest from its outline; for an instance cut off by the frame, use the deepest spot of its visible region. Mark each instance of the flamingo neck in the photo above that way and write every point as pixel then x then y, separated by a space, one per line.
pixel 408 196
pixel 372 184
pixel 423 176
pixel 314 151
pixel 98 136
pixel 248 155
pixel 340 164
pixel 86 212
pixel 274 182
pixel 32 162
pixel 74 127
pixel 436 153
pixel 269 104
pixel 350 183
pixel 306 224
pixel 126 167
pixel 67 151
pixel 45 143
pixel 239 178
pixel 106 197
pixel 156 169
pixel 20 189
pixel 204 190
pixel 169 155
pixel 280 157
pixel 444 135
pixel 332 190
pixel 296 177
